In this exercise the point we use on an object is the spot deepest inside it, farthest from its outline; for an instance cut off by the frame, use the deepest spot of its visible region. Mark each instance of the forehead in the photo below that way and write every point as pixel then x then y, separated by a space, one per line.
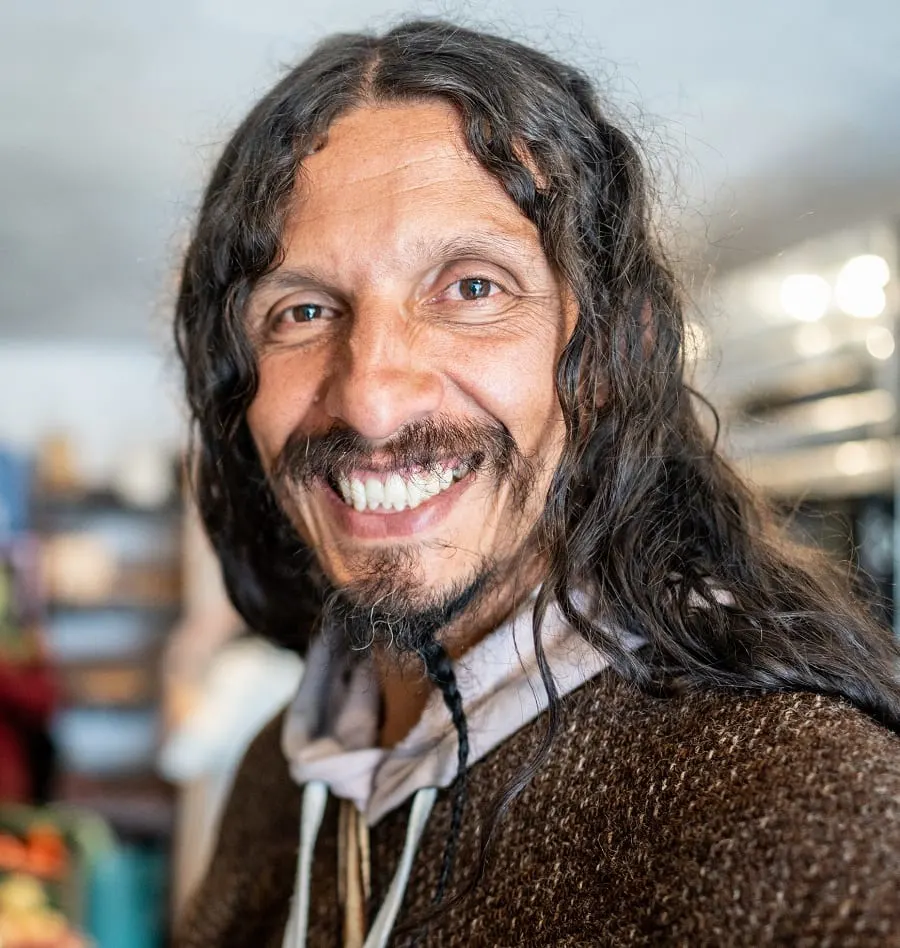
pixel 386 174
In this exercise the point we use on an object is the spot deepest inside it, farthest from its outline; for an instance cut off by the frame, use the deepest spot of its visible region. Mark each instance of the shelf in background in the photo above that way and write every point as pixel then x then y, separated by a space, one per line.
pixel 163 607
pixel 116 684
pixel 140 805
pixel 47 506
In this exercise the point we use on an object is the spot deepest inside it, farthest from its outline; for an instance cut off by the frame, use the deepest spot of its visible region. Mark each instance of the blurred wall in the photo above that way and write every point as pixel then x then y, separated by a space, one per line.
pixel 110 400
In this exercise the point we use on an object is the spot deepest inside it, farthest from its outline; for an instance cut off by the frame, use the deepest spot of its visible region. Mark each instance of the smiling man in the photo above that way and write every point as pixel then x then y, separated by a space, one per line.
pixel 567 683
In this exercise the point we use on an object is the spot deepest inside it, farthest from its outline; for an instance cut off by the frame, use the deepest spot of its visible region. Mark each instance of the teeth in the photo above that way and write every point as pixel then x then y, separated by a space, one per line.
pixel 429 484
pixel 374 493
pixel 414 495
pixel 358 494
pixel 396 492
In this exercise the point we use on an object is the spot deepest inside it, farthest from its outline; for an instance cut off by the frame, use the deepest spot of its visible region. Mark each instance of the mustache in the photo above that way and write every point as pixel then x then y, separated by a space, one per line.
pixel 426 445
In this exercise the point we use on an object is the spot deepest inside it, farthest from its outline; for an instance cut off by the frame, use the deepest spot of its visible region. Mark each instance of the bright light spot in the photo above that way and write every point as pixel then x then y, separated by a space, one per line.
pixel 859 290
pixel 863 301
pixel 858 457
pixel 869 268
pixel 880 342
pixel 805 296
pixel 811 340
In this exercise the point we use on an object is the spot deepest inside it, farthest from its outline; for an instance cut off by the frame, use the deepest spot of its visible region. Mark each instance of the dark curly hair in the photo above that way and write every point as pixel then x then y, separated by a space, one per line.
pixel 646 527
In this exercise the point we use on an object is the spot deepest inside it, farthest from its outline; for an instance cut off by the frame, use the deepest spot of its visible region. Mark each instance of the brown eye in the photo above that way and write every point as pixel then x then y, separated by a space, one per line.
pixel 475 288
pixel 305 313
pixel 302 314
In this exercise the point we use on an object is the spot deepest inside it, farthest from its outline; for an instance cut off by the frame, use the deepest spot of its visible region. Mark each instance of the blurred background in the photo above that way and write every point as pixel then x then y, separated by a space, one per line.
pixel 128 688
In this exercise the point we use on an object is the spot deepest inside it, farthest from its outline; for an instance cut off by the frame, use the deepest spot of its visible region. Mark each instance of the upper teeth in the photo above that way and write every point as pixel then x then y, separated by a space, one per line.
pixel 396 491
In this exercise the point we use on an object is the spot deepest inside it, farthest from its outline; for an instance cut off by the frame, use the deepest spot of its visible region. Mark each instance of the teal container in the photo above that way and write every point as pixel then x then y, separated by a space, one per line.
pixel 128 898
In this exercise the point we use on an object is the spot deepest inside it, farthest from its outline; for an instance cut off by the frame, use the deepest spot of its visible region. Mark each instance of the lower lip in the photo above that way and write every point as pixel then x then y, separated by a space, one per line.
pixel 387 525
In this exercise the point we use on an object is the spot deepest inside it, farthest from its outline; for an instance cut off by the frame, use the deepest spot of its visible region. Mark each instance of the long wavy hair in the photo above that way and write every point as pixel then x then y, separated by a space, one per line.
pixel 646 528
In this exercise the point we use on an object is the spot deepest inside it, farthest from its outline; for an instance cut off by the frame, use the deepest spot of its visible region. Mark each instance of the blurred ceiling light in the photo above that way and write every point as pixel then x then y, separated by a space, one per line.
pixel 859 289
pixel 880 342
pixel 811 340
pixel 860 457
pixel 805 296
pixel 867 268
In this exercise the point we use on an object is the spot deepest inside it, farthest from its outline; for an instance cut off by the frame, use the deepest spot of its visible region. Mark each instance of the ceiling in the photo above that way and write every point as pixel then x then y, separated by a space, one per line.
pixel 767 122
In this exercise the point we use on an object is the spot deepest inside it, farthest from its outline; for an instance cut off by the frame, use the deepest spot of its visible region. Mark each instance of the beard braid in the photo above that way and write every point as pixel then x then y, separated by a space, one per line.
pixel 378 612
pixel 439 669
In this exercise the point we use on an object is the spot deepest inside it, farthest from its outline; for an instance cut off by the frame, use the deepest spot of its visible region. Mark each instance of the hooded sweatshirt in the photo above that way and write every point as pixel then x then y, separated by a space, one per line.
pixel 331 732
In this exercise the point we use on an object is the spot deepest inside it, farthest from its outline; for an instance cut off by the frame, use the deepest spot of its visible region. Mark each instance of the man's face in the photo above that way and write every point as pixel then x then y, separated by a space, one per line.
pixel 410 333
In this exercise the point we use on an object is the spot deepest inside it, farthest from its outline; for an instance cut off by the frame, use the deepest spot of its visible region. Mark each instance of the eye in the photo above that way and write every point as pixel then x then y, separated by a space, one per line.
pixel 473 288
pixel 302 313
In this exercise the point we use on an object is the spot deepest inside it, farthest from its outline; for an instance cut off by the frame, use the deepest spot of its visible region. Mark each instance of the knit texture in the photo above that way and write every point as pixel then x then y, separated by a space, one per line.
pixel 706 819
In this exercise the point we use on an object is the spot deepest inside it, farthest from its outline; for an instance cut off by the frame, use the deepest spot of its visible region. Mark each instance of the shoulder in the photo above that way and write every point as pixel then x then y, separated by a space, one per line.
pixel 775 810
pixel 811 730
pixel 786 750
pixel 248 882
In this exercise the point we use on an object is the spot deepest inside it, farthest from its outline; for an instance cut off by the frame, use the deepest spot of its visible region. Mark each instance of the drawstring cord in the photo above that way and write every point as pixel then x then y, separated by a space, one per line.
pixel 390 908
pixel 315 796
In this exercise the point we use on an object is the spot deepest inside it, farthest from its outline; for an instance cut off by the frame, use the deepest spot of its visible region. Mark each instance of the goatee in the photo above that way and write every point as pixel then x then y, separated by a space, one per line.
pixel 387 609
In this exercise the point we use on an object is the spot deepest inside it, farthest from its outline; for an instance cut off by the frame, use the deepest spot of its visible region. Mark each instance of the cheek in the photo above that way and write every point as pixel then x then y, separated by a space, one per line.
pixel 284 397
pixel 515 382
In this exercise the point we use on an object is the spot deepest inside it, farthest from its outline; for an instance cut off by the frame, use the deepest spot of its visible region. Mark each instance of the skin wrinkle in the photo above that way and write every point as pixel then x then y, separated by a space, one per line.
pixel 492 246
pixel 378 246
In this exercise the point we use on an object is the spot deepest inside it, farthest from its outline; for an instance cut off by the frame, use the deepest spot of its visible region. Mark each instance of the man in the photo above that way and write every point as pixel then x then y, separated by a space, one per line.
pixel 566 683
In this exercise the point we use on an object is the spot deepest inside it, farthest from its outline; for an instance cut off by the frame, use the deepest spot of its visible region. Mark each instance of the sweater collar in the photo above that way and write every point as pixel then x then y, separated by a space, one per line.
pixel 330 733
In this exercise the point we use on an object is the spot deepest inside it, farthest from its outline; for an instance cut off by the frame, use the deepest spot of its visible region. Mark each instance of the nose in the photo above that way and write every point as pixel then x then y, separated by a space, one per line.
pixel 381 379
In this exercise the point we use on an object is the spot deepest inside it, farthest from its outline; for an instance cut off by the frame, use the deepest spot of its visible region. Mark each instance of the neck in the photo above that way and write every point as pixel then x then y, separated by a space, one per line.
pixel 404 687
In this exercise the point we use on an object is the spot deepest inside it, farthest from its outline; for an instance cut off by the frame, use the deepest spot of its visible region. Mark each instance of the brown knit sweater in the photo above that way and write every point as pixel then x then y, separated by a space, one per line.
pixel 708 819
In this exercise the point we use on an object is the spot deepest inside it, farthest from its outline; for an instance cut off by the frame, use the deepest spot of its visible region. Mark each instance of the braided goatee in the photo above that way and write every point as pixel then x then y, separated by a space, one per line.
pixel 439 669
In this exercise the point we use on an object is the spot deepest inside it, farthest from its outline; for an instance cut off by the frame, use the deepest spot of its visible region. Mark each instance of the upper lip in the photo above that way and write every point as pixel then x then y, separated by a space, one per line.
pixel 381 467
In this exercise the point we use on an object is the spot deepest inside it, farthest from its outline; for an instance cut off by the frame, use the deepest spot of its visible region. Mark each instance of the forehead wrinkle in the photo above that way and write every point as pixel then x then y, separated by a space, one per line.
pixel 436 133
pixel 364 214
pixel 317 200
pixel 397 254
pixel 395 241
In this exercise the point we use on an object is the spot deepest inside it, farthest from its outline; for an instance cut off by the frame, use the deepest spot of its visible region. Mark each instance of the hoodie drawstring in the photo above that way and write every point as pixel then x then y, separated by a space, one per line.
pixel 390 908
pixel 315 796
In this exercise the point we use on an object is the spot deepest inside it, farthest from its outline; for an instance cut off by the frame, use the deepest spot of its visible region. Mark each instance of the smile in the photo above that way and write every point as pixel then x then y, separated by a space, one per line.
pixel 394 492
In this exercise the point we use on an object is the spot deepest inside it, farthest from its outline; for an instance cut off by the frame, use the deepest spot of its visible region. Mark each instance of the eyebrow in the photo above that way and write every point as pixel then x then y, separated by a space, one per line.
pixel 289 278
pixel 488 244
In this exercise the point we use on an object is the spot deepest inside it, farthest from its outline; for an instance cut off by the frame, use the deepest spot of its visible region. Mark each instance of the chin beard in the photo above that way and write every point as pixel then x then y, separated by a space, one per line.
pixel 388 609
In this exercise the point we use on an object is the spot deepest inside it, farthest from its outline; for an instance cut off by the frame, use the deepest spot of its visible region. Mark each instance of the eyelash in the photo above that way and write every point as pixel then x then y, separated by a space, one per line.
pixel 281 316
